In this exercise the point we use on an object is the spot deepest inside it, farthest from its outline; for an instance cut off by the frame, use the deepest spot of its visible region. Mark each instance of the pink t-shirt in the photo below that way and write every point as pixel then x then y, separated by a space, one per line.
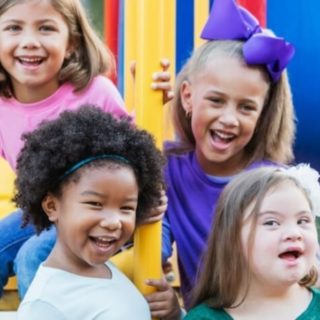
pixel 17 118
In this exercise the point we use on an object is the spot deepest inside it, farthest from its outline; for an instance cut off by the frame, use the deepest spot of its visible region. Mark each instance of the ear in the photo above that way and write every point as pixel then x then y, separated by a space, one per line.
pixel 50 205
pixel 185 94
pixel 69 51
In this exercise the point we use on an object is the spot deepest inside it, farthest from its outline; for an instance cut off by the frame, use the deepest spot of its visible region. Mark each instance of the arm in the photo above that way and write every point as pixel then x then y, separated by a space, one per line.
pixel 167 239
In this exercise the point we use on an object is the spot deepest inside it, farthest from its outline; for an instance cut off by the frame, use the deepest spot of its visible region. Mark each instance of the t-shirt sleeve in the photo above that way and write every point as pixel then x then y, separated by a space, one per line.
pixel 113 102
pixel 39 310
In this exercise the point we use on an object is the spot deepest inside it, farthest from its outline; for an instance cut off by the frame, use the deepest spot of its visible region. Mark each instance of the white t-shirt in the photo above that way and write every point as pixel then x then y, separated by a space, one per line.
pixel 59 295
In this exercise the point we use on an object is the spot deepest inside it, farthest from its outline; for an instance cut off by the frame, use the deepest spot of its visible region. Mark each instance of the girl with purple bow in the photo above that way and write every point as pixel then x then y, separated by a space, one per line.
pixel 232 112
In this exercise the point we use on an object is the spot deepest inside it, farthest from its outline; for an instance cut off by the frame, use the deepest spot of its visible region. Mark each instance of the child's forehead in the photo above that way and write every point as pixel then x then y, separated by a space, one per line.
pixel 284 198
pixel 105 176
pixel 103 166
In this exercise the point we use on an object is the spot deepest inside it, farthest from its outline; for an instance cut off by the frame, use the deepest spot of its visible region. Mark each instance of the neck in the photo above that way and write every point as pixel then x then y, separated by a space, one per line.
pixel 27 94
pixel 60 259
pixel 229 167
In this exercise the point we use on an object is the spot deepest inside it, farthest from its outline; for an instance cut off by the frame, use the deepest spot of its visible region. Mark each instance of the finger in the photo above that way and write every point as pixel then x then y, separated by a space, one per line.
pixel 161 76
pixel 154 219
pixel 165 64
pixel 133 68
pixel 164 86
pixel 158 306
pixel 170 95
pixel 159 314
pixel 159 284
pixel 159 211
pixel 158 297
pixel 163 198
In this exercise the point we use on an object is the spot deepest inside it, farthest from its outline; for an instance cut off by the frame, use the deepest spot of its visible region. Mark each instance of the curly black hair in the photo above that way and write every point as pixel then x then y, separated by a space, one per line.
pixel 57 145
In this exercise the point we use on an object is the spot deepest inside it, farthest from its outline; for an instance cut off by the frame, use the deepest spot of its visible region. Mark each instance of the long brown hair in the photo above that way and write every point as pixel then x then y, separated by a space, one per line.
pixel 224 277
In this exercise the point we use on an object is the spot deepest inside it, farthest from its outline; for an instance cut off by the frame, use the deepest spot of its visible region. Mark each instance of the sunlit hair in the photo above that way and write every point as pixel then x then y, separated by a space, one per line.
pixel 224 278
pixel 274 135
pixel 90 56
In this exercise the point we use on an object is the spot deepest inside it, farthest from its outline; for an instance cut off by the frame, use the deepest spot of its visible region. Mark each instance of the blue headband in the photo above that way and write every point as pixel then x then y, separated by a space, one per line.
pixel 90 159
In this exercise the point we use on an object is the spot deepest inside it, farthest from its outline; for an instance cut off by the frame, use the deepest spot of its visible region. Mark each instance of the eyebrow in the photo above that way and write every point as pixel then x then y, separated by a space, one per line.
pixel 21 21
pixel 101 195
pixel 224 95
pixel 280 213
pixel 91 193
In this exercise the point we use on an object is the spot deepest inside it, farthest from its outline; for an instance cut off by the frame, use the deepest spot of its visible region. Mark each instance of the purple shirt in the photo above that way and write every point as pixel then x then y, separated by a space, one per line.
pixel 192 197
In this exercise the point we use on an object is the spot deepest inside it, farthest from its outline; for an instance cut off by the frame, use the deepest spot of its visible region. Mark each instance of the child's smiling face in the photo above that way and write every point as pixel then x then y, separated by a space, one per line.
pixel 34 42
pixel 95 215
pixel 285 241
pixel 225 100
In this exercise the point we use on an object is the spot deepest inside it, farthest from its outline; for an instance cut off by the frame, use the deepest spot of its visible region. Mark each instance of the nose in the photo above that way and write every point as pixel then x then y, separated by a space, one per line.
pixel 110 221
pixel 228 116
pixel 292 233
pixel 29 40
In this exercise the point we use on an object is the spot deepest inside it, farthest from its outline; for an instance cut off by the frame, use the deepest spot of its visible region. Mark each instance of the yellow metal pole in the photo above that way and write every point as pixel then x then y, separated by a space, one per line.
pixel 201 13
pixel 6 188
pixel 154 17
pixel 130 50
pixel 168 49
pixel 147 241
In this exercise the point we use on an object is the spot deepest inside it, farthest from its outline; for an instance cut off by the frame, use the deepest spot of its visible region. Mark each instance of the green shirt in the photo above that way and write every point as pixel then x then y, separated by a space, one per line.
pixel 204 312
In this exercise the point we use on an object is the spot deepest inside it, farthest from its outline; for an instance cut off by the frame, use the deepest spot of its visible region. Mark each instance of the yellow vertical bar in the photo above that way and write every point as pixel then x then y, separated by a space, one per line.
pixel 130 49
pixel 6 188
pixel 147 241
pixel 167 41
pixel 201 13
pixel 155 41
pixel 148 102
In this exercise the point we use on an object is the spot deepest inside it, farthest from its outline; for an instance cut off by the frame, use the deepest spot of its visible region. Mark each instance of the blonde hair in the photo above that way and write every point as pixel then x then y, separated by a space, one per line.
pixel 90 56
pixel 216 287
pixel 275 130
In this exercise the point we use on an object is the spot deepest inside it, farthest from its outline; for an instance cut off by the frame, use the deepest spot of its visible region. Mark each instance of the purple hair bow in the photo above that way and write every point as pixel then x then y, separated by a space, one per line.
pixel 228 21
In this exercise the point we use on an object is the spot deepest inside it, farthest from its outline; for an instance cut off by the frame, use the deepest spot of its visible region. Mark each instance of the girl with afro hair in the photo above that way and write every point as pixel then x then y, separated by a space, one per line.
pixel 95 178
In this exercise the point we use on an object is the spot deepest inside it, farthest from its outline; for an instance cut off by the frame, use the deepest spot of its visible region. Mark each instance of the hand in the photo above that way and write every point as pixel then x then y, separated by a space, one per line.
pixel 161 81
pixel 157 213
pixel 163 303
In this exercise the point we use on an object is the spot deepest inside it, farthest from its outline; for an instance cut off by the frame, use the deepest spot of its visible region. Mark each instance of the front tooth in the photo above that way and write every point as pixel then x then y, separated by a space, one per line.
pixel 224 135
pixel 31 59
pixel 104 239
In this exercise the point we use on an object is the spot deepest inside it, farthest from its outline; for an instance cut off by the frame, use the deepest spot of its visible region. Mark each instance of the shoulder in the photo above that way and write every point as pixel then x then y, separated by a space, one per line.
pixel 101 82
pixel 313 310
pixel 204 312
pixel 316 294
pixel 103 93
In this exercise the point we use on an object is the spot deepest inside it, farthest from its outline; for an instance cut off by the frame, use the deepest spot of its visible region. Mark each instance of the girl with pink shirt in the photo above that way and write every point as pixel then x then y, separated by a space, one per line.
pixel 51 61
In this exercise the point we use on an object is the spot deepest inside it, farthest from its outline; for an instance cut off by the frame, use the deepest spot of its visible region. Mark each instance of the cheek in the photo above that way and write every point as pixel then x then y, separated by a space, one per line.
pixel 129 224
pixel 313 241
pixel 249 127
